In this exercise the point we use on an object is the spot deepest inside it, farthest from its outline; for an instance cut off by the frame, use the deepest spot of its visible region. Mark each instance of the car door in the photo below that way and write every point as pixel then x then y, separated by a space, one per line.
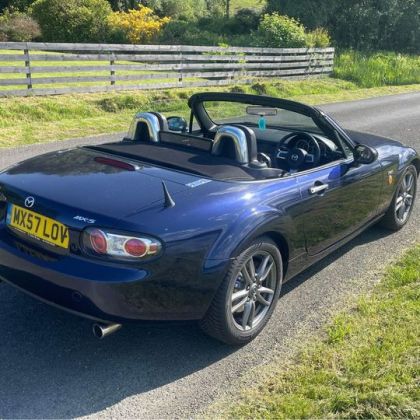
pixel 338 199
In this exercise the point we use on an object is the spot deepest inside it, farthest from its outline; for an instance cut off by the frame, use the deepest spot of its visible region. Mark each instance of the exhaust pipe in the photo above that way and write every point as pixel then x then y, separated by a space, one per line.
pixel 103 330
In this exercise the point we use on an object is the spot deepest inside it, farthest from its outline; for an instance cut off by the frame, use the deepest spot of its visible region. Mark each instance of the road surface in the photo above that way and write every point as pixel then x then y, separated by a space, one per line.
pixel 51 366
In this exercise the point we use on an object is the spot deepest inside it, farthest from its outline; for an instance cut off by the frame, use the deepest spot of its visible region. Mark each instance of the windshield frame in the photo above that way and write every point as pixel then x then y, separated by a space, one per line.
pixel 326 124
pixel 196 103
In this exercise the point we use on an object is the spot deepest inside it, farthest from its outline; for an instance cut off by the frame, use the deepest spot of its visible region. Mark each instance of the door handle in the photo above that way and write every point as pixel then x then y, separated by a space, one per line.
pixel 318 188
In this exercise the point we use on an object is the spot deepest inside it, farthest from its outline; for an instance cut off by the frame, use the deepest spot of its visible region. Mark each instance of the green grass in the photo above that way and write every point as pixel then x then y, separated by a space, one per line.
pixel 378 69
pixel 366 366
pixel 40 119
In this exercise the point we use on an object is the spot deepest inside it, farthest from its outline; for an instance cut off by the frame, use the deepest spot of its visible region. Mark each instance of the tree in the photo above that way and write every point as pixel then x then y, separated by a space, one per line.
pixel 378 25
pixel 312 13
pixel 124 5
pixel 185 9
pixel 73 20
pixel 20 5
pixel 359 24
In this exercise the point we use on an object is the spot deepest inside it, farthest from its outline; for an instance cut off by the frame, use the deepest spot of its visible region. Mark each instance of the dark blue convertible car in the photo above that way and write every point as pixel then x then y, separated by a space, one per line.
pixel 197 220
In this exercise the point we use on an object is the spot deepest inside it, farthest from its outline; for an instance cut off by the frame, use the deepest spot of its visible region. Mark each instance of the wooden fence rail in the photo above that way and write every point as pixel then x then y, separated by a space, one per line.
pixel 32 68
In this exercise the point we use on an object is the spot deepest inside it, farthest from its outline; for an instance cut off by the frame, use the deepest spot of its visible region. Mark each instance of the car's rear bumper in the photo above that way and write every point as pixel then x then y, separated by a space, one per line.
pixel 162 290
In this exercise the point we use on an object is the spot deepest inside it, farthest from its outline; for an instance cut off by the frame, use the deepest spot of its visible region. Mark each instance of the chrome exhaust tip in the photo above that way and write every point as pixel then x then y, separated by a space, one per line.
pixel 103 330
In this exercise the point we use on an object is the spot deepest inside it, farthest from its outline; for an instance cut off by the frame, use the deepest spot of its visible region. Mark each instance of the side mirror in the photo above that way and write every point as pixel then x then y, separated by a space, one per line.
pixel 178 124
pixel 364 154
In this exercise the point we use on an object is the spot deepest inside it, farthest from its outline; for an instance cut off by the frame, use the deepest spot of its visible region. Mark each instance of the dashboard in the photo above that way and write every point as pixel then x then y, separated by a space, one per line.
pixel 279 150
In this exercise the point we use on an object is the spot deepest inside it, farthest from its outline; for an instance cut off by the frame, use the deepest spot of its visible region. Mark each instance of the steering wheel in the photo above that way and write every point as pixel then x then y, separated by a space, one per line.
pixel 297 156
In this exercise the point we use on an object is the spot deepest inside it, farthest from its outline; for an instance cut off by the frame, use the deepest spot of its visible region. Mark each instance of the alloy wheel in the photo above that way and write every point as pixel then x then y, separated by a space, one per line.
pixel 405 197
pixel 254 291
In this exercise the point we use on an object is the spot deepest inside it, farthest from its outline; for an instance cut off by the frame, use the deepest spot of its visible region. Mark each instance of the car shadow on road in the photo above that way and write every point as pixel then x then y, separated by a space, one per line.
pixel 52 367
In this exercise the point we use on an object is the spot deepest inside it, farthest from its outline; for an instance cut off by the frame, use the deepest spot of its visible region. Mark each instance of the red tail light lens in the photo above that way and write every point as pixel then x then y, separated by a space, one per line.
pixel 135 247
pixel 106 243
pixel 98 241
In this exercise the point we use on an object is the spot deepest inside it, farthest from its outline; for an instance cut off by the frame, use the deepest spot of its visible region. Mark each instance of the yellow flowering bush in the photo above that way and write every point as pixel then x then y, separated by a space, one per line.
pixel 136 25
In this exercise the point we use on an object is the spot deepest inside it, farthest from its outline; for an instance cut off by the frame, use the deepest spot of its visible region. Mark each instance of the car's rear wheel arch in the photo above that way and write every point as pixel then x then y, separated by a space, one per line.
pixel 282 246
pixel 279 240
pixel 416 163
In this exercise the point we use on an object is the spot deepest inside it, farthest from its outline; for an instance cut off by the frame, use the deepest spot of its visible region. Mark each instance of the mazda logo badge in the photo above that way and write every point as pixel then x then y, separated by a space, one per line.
pixel 295 157
pixel 29 202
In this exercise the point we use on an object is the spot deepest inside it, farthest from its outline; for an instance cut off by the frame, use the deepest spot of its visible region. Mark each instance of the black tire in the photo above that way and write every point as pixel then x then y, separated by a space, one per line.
pixel 219 321
pixel 391 220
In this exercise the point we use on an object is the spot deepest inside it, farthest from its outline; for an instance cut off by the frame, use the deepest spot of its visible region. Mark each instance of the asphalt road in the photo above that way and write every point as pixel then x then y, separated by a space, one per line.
pixel 51 366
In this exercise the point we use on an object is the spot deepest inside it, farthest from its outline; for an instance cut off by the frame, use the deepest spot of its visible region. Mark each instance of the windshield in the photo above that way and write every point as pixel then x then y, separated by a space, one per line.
pixel 223 112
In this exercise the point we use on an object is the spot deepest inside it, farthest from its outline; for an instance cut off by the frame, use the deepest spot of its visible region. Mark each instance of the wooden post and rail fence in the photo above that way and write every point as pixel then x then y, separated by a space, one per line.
pixel 32 68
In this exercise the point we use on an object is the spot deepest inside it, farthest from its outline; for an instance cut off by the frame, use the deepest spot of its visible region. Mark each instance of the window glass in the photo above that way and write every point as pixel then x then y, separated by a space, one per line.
pixel 223 112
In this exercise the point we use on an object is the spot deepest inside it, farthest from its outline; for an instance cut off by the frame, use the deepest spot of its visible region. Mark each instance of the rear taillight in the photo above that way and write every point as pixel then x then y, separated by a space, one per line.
pixel 98 241
pixel 105 243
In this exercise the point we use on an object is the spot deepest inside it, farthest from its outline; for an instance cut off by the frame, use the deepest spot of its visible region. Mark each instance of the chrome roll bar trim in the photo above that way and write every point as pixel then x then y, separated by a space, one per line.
pixel 238 137
pixel 152 122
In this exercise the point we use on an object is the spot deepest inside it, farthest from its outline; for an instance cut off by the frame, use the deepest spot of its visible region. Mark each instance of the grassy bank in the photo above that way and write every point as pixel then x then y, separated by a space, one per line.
pixel 367 365
pixel 41 119
pixel 378 69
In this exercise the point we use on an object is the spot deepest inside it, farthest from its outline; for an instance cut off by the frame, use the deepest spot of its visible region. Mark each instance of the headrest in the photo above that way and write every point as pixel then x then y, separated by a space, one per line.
pixel 146 127
pixel 236 142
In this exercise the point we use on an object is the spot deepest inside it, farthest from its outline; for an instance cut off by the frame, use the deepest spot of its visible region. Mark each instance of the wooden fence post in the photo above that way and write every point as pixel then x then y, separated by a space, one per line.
pixel 28 67
pixel 112 68
pixel 181 64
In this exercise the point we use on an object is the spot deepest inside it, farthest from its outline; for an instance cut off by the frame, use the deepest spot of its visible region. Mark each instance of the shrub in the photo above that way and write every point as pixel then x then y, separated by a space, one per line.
pixel 280 31
pixel 136 25
pixel 244 21
pixel 18 26
pixel 187 33
pixel 319 38
pixel 72 20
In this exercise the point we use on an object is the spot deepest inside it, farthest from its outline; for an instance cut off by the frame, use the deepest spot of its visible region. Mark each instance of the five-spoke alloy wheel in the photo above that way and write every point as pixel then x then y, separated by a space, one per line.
pixel 248 295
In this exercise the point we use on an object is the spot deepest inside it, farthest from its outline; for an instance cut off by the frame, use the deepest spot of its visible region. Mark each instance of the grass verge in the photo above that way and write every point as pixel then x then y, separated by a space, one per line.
pixel 367 366
pixel 41 119
pixel 379 69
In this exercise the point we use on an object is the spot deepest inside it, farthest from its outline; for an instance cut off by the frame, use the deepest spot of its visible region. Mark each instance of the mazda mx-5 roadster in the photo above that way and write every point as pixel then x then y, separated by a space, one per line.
pixel 200 219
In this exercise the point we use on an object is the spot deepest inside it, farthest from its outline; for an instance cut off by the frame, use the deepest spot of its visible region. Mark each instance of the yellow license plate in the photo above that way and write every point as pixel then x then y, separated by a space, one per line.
pixel 38 226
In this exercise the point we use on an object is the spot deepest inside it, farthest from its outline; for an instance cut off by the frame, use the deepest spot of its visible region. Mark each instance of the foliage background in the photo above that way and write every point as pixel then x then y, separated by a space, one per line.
pixel 363 25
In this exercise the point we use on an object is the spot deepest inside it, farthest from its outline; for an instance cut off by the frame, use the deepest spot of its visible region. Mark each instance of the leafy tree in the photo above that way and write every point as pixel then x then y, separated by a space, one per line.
pixel 73 20
pixel 20 5
pixel 124 5
pixel 312 13
pixel 185 9
pixel 360 24
pixel 378 24
pixel 216 8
